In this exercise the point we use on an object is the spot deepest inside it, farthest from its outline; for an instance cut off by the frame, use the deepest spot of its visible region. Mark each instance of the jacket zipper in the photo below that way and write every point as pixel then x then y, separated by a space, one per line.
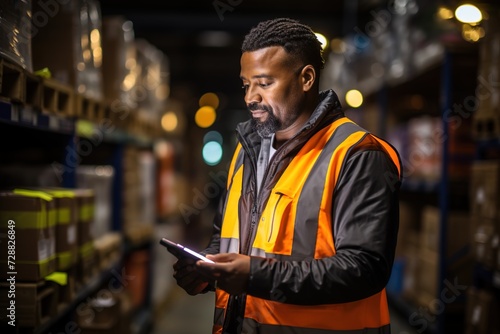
pixel 253 223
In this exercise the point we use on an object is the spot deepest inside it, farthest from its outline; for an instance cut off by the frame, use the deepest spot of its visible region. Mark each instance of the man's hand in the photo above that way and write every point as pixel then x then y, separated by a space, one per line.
pixel 230 270
pixel 188 277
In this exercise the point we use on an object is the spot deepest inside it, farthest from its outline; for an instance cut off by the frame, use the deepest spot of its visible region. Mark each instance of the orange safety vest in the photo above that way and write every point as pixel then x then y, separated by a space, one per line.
pixel 283 231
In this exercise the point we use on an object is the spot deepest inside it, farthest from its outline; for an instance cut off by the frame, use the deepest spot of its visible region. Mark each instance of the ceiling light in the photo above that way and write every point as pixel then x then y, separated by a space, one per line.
pixel 322 39
pixel 468 14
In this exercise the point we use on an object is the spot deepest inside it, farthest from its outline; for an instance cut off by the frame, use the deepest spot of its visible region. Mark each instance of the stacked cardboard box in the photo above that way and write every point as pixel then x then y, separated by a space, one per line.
pixel 482 312
pixel 100 180
pixel 458 262
pixel 34 214
pixel 86 266
pixel 66 243
pixel 485 212
pixel 74 30
pixel 58 222
pixel 486 119
pixel 108 250
pixel 483 299
pixel 30 216
pixel 119 63
pixel 139 209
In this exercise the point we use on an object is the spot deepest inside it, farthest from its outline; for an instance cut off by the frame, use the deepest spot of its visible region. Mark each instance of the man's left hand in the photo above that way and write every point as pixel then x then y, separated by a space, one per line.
pixel 231 271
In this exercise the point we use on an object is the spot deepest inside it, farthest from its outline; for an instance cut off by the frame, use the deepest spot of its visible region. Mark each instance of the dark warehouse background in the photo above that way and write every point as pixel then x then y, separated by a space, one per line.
pixel 117 122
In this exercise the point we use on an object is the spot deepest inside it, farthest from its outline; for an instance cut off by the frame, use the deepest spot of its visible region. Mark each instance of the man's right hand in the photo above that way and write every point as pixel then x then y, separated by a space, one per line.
pixel 188 277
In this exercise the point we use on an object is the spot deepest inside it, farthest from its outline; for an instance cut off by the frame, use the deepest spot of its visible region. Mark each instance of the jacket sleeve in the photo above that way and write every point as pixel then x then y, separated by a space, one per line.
pixel 365 226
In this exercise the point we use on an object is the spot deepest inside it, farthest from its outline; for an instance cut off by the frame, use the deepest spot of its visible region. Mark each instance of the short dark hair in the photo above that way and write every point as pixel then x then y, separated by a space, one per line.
pixel 296 38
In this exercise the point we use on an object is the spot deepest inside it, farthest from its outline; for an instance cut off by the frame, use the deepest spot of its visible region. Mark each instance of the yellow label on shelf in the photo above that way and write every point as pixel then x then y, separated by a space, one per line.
pixel 84 128
pixel 60 278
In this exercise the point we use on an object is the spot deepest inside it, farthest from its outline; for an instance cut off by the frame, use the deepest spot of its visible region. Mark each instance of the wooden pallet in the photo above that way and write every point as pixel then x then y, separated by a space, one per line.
pixel 12 82
pixel 36 303
pixel 57 98
pixel 33 91
pixel 486 125
pixel 22 87
pixel 88 108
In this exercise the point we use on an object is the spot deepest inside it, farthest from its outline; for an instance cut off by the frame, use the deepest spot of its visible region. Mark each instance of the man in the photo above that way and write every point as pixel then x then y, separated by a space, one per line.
pixel 305 236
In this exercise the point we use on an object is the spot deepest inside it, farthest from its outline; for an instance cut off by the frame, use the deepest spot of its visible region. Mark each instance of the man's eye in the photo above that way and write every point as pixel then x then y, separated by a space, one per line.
pixel 244 87
pixel 264 84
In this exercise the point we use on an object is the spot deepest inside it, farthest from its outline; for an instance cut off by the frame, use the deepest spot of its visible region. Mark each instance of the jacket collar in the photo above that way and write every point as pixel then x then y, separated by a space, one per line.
pixel 327 110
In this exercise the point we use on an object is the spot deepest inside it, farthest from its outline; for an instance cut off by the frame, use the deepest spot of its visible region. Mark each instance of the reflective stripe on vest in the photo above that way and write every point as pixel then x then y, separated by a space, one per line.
pixel 298 214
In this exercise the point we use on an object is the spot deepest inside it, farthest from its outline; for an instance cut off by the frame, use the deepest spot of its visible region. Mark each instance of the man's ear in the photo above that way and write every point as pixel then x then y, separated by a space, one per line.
pixel 308 75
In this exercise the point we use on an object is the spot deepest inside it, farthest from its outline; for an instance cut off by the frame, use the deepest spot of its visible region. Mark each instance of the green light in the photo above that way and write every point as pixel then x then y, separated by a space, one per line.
pixel 212 153
pixel 212 136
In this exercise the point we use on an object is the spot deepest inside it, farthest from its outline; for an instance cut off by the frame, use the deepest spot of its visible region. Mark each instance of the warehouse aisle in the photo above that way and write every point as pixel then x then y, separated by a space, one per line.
pixel 193 315
pixel 186 314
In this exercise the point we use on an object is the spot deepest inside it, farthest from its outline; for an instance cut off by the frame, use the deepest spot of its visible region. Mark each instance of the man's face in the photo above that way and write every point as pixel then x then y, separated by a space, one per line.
pixel 273 88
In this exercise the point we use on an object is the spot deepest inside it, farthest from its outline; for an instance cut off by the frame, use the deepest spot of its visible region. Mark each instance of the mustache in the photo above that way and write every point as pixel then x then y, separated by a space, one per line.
pixel 255 106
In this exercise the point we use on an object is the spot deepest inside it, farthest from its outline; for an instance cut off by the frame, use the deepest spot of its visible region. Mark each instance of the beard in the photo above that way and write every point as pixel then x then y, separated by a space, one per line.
pixel 267 127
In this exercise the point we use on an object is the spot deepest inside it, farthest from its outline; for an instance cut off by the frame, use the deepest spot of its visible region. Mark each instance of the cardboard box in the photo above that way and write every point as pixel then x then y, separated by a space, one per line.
pixel 66 228
pixel 100 179
pixel 409 222
pixel 485 189
pixel 428 283
pixel 487 117
pixel 108 250
pixel 410 278
pixel 86 266
pixel 136 266
pixel 428 272
pixel 457 236
pixel 69 44
pixel 119 61
pixel 85 202
pixel 34 217
pixel 486 244
pixel 481 312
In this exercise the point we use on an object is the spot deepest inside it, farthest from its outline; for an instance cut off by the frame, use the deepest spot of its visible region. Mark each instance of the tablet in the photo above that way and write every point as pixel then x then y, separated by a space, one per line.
pixel 180 251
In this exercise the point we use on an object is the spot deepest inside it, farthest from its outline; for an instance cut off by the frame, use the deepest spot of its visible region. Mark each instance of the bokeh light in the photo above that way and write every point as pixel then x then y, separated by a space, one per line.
pixel 212 153
pixel 209 99
pixel 169 121
pixel 205 116
pixel 212 136
pixel 354 98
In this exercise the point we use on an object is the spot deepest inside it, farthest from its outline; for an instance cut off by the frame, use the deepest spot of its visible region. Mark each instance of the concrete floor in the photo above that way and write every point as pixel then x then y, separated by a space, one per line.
pixel 186 314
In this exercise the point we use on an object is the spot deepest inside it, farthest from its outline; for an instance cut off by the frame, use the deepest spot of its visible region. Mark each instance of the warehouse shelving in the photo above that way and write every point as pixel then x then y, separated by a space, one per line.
pixel 93 286
pixel 27 128
pixel 16 115
pixel 443 82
